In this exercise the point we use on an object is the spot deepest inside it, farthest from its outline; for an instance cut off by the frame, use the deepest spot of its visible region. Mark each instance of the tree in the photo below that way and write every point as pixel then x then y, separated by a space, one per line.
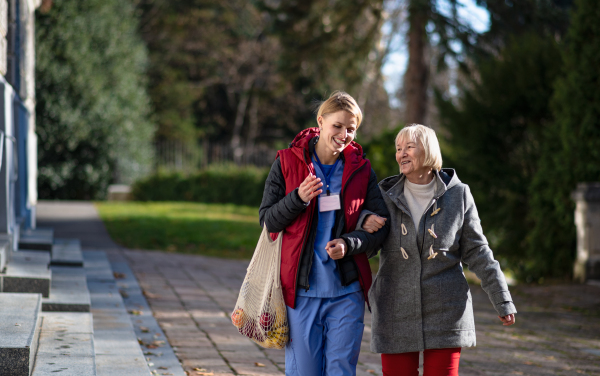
pixel 229 70
pixel 92 110
pixel 571 152
pixel 493 136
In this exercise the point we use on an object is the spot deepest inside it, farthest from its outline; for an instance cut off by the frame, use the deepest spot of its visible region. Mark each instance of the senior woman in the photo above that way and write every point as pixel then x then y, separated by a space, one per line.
pixel 314 193
pixel 420 297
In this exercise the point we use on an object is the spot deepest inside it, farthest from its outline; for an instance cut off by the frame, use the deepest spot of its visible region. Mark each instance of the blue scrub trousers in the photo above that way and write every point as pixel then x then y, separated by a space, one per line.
pixel 325 335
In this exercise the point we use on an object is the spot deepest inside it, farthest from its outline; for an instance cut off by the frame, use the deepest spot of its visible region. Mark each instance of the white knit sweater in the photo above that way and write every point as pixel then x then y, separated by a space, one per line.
pixel 418 197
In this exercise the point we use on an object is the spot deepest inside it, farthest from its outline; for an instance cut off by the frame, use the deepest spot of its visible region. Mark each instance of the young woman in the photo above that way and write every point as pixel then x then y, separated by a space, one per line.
pixel 421 299
pixel 314 193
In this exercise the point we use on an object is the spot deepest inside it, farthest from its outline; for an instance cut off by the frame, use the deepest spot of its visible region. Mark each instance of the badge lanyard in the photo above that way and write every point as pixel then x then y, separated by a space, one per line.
pixel 328 175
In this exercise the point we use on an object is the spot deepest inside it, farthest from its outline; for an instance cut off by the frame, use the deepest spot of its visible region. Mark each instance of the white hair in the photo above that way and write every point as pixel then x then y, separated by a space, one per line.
pixel 427 138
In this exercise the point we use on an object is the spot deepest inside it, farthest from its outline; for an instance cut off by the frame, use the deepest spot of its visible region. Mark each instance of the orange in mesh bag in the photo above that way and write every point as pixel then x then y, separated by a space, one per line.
pixel 260 312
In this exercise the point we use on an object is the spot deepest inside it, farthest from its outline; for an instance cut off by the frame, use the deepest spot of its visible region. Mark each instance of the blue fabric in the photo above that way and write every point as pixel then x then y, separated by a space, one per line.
pixel 325 335
pixel 324 278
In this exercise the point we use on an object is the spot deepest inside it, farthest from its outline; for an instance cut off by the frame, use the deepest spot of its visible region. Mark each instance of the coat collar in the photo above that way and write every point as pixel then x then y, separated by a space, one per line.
pixel 393 186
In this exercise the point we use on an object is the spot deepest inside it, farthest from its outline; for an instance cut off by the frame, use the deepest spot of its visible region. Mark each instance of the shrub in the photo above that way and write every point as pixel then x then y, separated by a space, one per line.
pixel 221 184
pixel 92 112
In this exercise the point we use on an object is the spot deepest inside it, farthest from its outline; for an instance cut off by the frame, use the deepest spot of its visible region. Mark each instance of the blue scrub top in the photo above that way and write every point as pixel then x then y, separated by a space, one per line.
pixel 324 277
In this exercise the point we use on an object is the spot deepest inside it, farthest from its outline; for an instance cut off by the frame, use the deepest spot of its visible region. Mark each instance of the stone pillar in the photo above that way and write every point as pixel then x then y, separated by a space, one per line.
pixel 587 220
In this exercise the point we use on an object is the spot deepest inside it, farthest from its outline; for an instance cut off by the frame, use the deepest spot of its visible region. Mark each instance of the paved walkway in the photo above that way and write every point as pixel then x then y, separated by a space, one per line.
pixel 557 330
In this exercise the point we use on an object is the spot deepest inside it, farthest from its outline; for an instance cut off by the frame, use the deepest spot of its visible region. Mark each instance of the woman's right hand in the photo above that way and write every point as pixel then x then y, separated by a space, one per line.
pixel 309 188
pixel 373 223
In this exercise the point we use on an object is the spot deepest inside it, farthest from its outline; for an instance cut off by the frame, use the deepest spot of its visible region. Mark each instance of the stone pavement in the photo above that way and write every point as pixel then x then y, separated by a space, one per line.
pixel 557 330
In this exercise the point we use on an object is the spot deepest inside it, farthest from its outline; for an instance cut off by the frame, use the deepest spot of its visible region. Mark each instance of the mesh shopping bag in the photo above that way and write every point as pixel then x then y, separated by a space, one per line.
pixel 260 312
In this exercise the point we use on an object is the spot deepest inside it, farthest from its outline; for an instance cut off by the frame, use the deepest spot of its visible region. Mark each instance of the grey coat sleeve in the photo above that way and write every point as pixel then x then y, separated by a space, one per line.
pixel 359 241
pixel 277 209
pixel 479 257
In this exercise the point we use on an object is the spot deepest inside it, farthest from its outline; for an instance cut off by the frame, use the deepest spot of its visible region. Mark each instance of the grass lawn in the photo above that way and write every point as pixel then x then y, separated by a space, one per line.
pixel 221 230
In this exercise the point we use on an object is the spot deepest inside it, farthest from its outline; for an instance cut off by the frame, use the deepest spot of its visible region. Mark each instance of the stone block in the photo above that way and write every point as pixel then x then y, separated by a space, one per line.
pixel 119 192
pixel 115 343
pixel 67 252
pixel 587 220
pixel 146 328
pixel 4 254
pixel 66 345
pixel 27 272
pixel 68 291
pixel 39 239
pixel 20 328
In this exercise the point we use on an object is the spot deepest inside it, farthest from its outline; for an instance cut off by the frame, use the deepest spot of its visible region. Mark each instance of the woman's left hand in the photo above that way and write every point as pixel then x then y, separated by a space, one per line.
pixel 508 319
pixel 336 249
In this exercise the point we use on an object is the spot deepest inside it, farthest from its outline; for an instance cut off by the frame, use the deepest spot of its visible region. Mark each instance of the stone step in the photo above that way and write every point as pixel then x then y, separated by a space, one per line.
pixel 67 252
pixel 68 291
pixel 20 330
pixel 27 272
pixel 39 239
pixel 163 359
pixel 66 345
pixel 117 349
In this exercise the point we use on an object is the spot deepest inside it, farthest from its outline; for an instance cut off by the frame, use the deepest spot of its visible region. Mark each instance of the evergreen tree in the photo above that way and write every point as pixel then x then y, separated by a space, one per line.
pixel 571 152
pixel 92 110
pixel 493 136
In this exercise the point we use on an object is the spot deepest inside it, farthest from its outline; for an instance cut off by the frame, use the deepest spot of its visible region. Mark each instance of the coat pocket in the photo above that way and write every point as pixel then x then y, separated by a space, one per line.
pixel 457 312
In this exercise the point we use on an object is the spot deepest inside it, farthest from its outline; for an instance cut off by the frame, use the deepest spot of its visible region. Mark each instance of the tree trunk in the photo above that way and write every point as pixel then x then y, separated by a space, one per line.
pixel 254 127
pixel 416 78
pixel 238 151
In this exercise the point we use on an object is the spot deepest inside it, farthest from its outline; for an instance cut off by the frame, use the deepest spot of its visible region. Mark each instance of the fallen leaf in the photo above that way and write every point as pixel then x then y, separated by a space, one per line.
pixel 124 294
pixel 202 371
pixel 144 329
pixel 118 275
pixel 135 312
pixel 259 364
pixel 150 295
pixel 161 367
pixel 152 346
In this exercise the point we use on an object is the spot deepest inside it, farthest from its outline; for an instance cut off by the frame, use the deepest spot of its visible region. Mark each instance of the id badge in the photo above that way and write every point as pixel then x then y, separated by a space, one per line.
pixel 329 203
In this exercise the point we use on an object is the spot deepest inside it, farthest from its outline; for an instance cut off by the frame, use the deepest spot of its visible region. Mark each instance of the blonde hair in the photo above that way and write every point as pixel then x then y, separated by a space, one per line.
pixel 340 101
pixel 426 137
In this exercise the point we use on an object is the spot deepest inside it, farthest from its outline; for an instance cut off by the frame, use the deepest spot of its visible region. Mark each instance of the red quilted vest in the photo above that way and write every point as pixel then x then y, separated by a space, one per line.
pixel 295 166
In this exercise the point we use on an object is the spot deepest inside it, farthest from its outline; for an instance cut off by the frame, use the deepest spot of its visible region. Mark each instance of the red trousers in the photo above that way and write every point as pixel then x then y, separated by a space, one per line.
pixel 436 362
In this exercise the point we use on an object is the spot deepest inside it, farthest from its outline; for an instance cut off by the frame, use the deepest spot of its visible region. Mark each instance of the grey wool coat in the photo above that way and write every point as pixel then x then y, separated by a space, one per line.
pixel 423 303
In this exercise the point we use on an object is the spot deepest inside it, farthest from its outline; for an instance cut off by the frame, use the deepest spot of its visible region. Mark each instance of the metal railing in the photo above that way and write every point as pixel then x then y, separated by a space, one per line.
pixel 175 155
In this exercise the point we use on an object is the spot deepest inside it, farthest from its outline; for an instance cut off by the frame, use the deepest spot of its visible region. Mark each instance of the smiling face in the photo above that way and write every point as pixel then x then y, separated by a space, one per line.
pixel 410 156
pixel 338 129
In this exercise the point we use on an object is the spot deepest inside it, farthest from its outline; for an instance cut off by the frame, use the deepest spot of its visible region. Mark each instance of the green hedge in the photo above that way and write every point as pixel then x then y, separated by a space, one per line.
pixel 223 184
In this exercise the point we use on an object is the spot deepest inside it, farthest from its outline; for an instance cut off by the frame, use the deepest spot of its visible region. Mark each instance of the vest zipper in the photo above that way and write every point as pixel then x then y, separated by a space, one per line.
pixel 344 216
pixel 304 237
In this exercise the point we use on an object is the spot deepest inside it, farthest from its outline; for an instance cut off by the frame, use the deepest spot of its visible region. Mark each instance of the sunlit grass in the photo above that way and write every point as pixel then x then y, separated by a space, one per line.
pixel 221 230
